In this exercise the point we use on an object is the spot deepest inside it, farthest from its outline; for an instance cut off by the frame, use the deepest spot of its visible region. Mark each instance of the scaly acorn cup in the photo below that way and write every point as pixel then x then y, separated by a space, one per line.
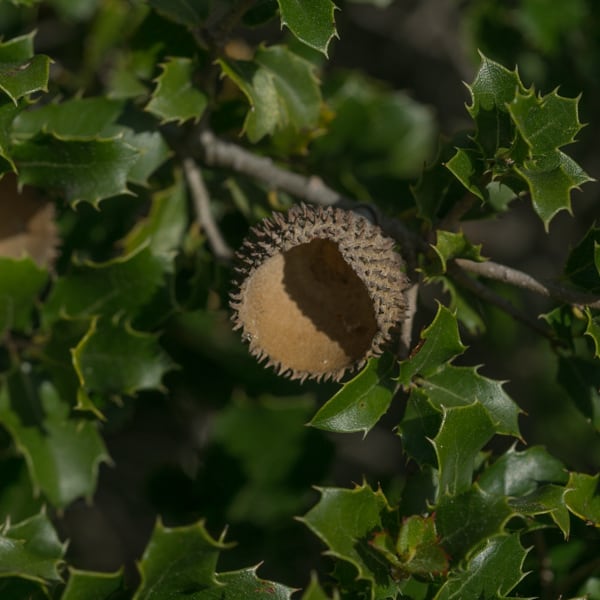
pixel 319 291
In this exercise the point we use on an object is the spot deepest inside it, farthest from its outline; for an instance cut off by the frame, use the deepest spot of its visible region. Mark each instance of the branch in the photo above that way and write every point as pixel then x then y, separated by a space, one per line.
pixel 485 293
pixel 201 200
pixel 492 270
pixel 219 153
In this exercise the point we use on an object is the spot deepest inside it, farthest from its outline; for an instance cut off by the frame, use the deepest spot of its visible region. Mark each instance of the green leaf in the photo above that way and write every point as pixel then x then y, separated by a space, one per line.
pixel 241 429
pixel 311 21
pixel 468 167
pixel 466 520
pixel 87 585
pixel 8 112
pixel 22 281
pixel 493 88
pixel 583 498
pixel 440 343
pixel 492 572
pixel 79 170
pixel 344 520
pixel 178 562
pixel 31 550
pixel 175 97
pixel 63 454
pixel 463 433
pixel 417 550
pixel 162 230
pixel 547 499
pixel 462 305
pixel 185 12
pixel 519 473
pixel 420 423
pixel 75 119
pixel 281 88
pixel 119 286
pixel 429 368
pixel 418 547
pixel 113 359
pixel 550 179
pixel 451 245
pixel 314 591
pixel 545 122
pixel 582 266
pixel 580 378
pixel 22 72
pixel 152 150
pixel 593 330
pixel 459 386
pixel 239 585
pixel 361 402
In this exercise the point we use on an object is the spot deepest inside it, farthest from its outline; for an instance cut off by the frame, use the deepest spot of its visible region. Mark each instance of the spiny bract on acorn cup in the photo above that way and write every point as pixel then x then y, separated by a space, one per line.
pixel 319 291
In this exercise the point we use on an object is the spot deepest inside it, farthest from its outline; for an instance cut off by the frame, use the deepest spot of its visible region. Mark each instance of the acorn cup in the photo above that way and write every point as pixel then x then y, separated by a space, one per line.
pixel 318 292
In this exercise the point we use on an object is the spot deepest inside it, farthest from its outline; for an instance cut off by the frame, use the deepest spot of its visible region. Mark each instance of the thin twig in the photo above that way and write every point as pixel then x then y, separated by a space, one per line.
pixel 485 293
pixel 201 201
pixel 219 153
pixel 407 324
pixel 498 272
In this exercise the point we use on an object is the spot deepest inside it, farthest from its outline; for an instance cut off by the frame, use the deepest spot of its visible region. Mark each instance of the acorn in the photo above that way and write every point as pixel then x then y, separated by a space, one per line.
pixel 318 292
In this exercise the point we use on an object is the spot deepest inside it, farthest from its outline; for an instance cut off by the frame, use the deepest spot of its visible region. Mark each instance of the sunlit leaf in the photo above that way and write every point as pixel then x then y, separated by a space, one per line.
pixel 311 21
pixel 361 402
pixel 583 498
pixel 78 170
pixel 175 97
pixel 281 88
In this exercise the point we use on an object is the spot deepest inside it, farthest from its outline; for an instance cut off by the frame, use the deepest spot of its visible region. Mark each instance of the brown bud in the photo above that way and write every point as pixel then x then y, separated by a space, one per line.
pixel 319 291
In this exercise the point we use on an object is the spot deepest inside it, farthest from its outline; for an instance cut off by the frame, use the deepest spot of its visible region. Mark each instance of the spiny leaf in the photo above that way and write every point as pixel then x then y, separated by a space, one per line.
pixel 361 402
pixel 63 454
pixel 519 473
pixel 31 550
pixel 547 499
pixel 8 112
pixel 583 264
pixel 162 230
pixel 175 97
pixel 463 304
pixel 344 520
pixel 311 21
pixel 281 88
pixel 239 585
pixel 22 72
pixel 152 152
pixel 458 386
pixel 79 170
pixel 440 343
pixel 314 591
pixel 451 245
pixel 583 498
pixel 593 330
pixel 22 281
pixel 492 572
pixel 463 433
pixel 74 119
pixel 185 12
pixel 550 179
pixel 545 122
pixel 121 285
pixel 88 585
pixel 178 561
pixel 466 520
pixel 113 359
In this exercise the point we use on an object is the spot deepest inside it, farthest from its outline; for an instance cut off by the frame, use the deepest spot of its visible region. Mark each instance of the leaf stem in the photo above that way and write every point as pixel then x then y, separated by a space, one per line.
pixel 201 201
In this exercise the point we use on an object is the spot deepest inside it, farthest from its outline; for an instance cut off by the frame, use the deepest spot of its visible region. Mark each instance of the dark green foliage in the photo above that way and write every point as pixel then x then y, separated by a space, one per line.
pixel 133 420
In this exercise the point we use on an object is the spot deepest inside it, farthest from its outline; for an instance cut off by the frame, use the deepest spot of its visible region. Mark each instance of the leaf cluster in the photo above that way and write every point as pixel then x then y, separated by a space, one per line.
pixel 123 306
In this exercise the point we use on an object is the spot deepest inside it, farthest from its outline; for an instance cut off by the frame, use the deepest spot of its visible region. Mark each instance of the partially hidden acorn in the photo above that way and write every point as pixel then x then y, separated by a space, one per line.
pixel 318 292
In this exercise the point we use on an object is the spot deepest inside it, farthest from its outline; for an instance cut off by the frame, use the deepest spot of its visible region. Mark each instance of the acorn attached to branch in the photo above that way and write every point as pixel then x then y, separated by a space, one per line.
pixel 319 291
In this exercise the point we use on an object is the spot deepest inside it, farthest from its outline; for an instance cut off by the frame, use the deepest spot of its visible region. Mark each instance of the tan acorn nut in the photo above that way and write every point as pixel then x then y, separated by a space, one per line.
pixel 319 291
